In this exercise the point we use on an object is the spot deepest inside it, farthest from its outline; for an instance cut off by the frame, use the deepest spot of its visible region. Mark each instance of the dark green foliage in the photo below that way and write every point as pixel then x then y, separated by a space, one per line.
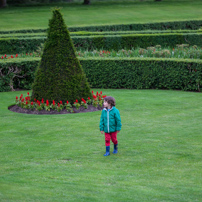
pixel 130 73
pixel 129 41
pixel 136 73
pixel 145 73
pixel 176 25
pixel 59 75
pixel 115 42
pixel 24 76
pixel 19 45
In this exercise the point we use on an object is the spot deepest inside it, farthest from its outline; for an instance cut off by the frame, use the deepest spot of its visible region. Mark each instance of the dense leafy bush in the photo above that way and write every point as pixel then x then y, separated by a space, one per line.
pixel 18 73
pixel 143 73
pixel 59 75
pixel 131 73
pixel 177 25
pixel 137 40
pixel 19 45
pixel 88 33
pixel 115 42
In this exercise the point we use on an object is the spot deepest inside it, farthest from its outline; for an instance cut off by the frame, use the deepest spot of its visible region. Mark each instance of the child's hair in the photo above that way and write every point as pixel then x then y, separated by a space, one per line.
pixel 110 100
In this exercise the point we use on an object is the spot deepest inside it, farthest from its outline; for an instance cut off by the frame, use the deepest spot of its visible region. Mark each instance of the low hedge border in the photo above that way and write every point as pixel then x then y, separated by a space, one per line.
pixel 117 42
pixel 130 73
pixel 86 33
pixel 191 25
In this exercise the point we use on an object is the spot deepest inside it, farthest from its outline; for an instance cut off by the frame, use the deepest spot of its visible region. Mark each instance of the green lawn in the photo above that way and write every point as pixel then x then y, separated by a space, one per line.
pixel 99 13
pixel 60 157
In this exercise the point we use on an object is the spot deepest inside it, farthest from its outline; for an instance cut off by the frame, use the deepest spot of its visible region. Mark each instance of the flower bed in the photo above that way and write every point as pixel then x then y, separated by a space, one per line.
pixel 26 105
pixel 181 51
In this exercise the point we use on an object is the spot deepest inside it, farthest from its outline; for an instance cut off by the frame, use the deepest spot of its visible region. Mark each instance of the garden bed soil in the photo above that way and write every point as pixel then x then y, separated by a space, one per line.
pixel 18 109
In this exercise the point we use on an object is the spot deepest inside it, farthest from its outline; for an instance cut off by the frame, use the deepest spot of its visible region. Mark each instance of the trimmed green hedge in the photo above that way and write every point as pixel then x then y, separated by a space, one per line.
pixel 17 73
pixel 86 33
pixel 136 40
pixel 14 46
pixel 130 73
pixel 191 25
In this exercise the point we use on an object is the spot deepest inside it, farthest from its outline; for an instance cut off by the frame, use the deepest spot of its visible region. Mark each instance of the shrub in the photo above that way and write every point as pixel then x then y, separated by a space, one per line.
pixel 115 42
pixel 59 75
pixel 176 25
pixel 130 73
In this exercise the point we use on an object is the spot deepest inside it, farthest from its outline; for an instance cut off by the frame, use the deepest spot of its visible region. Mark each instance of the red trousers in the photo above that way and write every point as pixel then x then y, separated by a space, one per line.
pixel 111 136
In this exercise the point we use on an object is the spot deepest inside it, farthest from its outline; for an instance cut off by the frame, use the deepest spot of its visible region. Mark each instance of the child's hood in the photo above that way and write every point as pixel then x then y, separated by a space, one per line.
pixel 110 109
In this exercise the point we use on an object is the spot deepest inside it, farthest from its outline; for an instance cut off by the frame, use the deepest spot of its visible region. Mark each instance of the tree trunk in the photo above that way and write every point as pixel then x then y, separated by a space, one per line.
pixel 2 3
pixel 86 2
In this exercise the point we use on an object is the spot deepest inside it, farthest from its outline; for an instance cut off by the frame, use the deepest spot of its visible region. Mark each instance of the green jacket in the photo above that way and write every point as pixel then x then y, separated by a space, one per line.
pixel 110 121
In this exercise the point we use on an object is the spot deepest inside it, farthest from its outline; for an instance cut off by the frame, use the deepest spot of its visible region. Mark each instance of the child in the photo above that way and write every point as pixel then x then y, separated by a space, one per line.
pixel 110 123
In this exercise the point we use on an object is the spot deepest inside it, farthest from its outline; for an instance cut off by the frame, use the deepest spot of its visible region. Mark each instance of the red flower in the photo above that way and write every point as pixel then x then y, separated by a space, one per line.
pixel 101 92
pixel 34 99
pixel 27 93
pixel 88 98
pixel 99 98
pixel 76 101
pixel 26 98
pixel 26 54
pixel 16 55
pixel 5 55
pixel 94 97
pixel 16 97
pixel 67 102
pixel 60 102
pixel 2 57
pixel 47 103
pixel 53 102
pixel 22 100
pixel 26 102
pixel 42 101
pixel 97 93
pixel 11 56
pixel 92 92
pixel 32 103
pixel 84 101
pixel 104 96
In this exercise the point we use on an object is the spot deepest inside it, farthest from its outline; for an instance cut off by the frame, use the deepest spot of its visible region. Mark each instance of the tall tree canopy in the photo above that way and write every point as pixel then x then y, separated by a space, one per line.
pixel 2 3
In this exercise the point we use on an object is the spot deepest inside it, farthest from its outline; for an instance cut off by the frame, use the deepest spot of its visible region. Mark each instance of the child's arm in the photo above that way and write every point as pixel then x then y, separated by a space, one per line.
pixel 102 123
pixel 118 120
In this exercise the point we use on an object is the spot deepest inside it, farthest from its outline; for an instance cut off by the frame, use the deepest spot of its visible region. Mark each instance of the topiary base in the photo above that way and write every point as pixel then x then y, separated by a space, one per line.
pixel 18 109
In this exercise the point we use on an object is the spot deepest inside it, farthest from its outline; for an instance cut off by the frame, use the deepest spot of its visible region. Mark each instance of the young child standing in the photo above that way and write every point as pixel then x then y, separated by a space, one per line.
pixel 110 123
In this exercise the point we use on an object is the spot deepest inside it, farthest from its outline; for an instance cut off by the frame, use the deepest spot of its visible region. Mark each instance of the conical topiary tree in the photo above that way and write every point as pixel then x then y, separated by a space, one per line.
pixel 59 75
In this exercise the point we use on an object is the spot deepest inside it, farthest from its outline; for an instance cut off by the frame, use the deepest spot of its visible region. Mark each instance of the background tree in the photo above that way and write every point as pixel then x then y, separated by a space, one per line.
pixel 59 75
pixel 2 3
pixel 86 2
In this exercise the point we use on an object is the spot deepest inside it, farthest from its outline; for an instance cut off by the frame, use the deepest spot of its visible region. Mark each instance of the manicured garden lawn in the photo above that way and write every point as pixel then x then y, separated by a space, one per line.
pixel 99 13
pixel 60 157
